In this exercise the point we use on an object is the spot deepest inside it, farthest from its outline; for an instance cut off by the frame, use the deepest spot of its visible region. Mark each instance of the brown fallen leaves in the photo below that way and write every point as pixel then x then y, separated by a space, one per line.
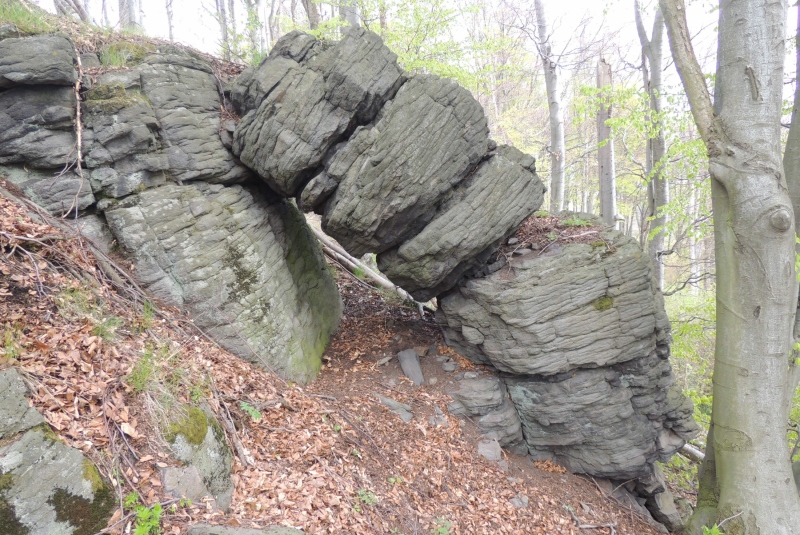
pixel 327 458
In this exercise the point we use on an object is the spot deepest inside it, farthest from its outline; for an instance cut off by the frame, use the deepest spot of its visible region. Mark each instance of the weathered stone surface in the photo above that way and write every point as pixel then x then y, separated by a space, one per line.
pixel 576 306
pixel 185 97
pixel 486 402
pixel 403 410
pixel 41 59
pixel 198 440
pixel 482 211
pixel 317 191
pixel 36 126
pixel 57 193
pixel 582 337
pixel 184 482
pixel 490 450
pixel 409 362
pixel 250 272
pixel 48 488
pixel 16 415
pixel 394 174
pixel 95 228
pixel 304 98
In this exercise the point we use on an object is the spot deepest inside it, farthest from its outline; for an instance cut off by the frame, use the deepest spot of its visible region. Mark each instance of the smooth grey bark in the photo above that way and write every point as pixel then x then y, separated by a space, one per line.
pixel 657 185
pixel 348 11
pixel 312 11
pixel 557 147
pixel 222 18
pixel 605 150
pixel 129 15
pixel 752 483
pixel 168 5
pixel 791 154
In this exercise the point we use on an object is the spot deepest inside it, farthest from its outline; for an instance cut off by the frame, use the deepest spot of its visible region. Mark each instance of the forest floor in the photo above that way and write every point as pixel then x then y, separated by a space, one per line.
pixel 103 365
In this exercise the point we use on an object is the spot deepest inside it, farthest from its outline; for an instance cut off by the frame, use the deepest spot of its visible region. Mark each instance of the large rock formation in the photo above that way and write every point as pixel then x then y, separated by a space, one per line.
pixel 579 336
pixel 155 165
pixel 397 165
pixel 45 486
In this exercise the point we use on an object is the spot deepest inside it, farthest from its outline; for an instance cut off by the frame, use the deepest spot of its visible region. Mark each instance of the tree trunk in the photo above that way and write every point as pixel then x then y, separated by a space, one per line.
pixel 382 17
pixel 168 5
pixel 657 186
pixel 222 18
pixel 129 15
pixel 313 13
pixel 233 34
pixel 756 284
pixel 605 150
pixel 557 149
pixel 348 11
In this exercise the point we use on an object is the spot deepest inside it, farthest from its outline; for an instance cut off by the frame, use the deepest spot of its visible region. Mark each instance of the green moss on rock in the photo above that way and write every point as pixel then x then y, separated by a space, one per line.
pixel 9 523
pixel 6 480
pixel 125 53
pixel 92 474
pixel 193 426
pixel 604 303
pixel 109 99
pixel 87 517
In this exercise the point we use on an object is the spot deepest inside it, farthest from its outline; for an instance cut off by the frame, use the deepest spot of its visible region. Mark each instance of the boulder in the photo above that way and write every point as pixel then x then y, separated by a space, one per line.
pixel 575 306
pixel 197 440
pixel 45 486
pixel 185 97
pixel 306 97
pixel 409 363
pixel 486 402
pixel 36 126
pixel 468 227
pixel 581 337
pixel 392 176
pixel 245 266
pixel 37 60
pixel 58 193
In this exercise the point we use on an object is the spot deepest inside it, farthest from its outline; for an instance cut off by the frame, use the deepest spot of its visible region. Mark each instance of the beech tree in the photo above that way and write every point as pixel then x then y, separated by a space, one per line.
pixel 746 479
pixel 657 185
pixel 557 147
pixel 605 150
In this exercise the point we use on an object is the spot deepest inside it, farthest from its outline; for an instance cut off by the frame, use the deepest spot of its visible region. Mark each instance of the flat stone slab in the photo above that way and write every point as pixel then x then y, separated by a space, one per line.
pixel 409 362
pixel 16 415
pixel 401 409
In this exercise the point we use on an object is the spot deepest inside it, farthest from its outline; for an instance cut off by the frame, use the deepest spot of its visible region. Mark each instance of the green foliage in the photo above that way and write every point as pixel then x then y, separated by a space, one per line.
pixel 148 519
pixel 143 371
pixel 441 526
pixel 573 221
pixel 125 53
pixel 396 480
pixel 367 497
pixel 715 530
pixel 29 20
pixel 107 327
pixel 10 342
pixel 251 411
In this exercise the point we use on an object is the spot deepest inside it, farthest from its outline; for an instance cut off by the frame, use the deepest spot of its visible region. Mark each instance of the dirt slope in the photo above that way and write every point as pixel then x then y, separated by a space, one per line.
pixel 106 368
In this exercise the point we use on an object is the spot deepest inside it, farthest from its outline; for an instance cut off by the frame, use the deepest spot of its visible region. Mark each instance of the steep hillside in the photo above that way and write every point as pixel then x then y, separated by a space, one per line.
pixel 110 372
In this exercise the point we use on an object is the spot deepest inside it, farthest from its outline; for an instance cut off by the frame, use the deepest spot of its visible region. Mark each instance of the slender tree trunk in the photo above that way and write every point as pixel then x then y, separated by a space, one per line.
pixel 233 38
pixel 348 11
pixel 129 15
pixel 657 186
pixel 312 11
pixel 557 149
pixel 106 20
pixel 222 18
pixel 168 5
pixel 605 150
pixel 753 484
pixel 382 17
pixel 694 267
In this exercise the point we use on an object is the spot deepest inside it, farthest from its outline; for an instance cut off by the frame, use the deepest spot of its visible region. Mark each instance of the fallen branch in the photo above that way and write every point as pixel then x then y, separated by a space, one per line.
pixel 352 263
pixel 610 525
pixel 692 453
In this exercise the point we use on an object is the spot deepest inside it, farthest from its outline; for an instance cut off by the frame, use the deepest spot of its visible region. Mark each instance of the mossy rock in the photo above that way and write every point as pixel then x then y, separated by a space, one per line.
pixel 49 487
pixel 193 426
pixel 603 304
pixel 110 99
pixel 125 53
